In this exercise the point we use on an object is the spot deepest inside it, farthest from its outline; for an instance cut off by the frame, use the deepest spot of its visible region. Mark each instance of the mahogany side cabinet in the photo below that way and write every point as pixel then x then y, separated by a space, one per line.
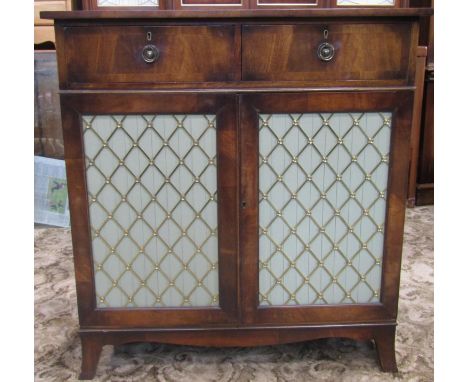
pixel 237 177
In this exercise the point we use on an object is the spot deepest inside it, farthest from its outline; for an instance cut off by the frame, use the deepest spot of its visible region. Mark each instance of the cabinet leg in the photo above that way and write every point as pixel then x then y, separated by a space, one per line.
pixel 91 346
pixel 385 345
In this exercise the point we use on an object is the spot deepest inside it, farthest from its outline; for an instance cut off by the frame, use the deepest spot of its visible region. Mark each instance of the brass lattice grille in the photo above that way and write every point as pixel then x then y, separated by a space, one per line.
pixel 153 209
pixel 323 180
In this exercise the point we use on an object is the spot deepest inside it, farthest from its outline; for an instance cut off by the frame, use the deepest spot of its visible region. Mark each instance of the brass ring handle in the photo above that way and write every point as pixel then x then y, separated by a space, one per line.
pixel 326 51
pixel 150 54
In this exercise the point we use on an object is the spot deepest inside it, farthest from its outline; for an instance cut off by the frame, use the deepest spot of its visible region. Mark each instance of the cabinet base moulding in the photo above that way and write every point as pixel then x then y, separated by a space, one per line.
pixel 383 335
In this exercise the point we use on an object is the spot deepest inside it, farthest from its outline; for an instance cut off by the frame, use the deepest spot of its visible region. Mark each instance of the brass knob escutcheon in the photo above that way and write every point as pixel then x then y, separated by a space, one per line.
pixel 150 54
pixel 326 51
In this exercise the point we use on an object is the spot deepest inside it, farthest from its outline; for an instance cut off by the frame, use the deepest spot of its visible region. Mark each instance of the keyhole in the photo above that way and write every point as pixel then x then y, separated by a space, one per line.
pixel 244 204
pixel 149 36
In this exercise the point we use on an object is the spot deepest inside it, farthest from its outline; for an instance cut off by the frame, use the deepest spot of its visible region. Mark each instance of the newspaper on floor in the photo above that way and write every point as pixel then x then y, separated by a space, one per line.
pixel 50 192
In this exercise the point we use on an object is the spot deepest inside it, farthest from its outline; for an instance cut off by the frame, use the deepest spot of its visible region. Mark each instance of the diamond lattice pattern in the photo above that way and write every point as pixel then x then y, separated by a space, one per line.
pixel 152 200
pixel 127 3
pixel 323 181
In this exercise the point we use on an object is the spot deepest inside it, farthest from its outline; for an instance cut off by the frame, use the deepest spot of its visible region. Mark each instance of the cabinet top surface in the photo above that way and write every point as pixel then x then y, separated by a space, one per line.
pixel 229 14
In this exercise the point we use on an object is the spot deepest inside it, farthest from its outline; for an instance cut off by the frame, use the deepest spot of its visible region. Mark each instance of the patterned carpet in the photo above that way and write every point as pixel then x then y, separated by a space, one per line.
pixel 58 352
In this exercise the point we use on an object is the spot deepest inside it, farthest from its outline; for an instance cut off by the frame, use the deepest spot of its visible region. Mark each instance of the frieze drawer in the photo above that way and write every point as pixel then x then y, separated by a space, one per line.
pixel 139 54
pixel 329 52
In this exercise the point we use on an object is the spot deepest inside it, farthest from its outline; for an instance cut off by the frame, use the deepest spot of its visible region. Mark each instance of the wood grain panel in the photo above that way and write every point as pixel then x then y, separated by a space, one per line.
pixel 92 340
pixel 133 14
pixel 362 52
pixel 187 54
pixel 416 125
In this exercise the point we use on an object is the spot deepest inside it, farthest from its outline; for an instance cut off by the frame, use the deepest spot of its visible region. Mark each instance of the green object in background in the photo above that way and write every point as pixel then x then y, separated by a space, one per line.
pixel 57 195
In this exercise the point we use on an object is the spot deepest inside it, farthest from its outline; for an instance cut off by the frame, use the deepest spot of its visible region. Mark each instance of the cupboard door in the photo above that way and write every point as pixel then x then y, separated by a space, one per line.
pixel 323 199
pixel 153 178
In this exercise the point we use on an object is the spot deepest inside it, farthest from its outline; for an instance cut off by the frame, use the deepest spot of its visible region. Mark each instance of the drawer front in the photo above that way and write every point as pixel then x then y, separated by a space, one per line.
pixel 115 54
pixel 362 52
